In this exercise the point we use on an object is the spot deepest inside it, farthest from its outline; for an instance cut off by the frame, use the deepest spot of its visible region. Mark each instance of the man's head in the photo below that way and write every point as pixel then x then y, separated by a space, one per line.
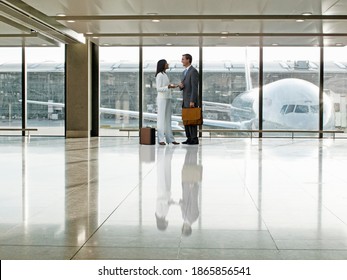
pixel 186 59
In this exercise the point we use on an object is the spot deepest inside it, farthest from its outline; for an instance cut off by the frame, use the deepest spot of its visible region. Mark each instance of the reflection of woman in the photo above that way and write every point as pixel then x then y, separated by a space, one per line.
pixel 164 199
pixel 164 104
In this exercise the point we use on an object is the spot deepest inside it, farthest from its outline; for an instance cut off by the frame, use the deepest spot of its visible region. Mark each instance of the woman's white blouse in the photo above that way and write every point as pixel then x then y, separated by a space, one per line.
pixel 162 82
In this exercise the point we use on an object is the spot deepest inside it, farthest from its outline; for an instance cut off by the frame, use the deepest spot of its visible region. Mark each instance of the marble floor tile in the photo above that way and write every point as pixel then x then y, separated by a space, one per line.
pixel 226 198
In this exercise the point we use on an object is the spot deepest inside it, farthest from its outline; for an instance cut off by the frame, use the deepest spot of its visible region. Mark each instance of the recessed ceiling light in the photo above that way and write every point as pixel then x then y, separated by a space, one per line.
pixel 223 37
pixel 224 32
pixel 169 44
pixel 70 20
pixel 300 20
pixel 61 15
pixel 306 13
pixel 89 33
pixel 155 20
pixel 274 44
pixel 338 44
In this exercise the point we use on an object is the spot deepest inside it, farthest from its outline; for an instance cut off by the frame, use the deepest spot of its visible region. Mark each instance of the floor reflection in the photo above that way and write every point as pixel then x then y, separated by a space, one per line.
pixel 191 179
pixel 164 199
pixel 191 184
pixel 106 198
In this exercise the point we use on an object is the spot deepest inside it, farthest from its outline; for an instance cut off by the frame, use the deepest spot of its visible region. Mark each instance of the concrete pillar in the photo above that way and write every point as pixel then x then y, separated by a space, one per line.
pixel 78 90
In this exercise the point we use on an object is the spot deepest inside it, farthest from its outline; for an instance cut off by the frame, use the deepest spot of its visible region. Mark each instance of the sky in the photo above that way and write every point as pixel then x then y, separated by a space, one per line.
pixel 225 53
pixel 110 54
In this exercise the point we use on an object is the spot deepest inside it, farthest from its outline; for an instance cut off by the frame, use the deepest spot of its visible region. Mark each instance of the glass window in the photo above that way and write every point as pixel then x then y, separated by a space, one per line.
pixel 335 89
pixel 283 109
pixel 314 109
pixel 230 87
pixel 119 89
pixel 173 55
pixel 290 109
pixel 46 90
pixel 291 77
pixel 10 88
pixel 301 109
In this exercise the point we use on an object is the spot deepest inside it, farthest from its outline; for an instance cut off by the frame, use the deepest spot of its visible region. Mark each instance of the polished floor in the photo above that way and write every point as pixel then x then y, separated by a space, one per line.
pixel 227 198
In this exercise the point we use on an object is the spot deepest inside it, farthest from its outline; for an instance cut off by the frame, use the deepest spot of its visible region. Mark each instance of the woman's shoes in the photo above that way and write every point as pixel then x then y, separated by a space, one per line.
pixel 174 142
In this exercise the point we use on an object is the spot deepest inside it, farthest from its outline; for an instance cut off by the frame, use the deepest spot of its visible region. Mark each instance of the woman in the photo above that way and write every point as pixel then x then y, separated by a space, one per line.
pixel 164 104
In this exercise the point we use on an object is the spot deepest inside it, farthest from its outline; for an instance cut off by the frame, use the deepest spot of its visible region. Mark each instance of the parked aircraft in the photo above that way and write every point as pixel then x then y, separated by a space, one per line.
pixel 287 104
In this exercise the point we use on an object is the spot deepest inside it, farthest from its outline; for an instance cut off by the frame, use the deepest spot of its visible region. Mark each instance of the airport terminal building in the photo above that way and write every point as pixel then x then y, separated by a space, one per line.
pixel 266 181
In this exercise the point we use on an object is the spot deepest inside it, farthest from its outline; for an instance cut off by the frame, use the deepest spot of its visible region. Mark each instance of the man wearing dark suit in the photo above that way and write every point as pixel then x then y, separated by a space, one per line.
pixel 189 86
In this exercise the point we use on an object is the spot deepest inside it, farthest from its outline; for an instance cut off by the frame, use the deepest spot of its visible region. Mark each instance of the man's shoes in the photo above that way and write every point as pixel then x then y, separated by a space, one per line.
pixel 194 142
pixel 191 142
pixel 162 143
pixel 175 143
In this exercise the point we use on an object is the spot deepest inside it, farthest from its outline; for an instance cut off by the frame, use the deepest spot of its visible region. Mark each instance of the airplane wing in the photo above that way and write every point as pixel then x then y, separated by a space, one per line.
pixel 153 116
pixel 216 106
pixel 46 103
pixel 146 115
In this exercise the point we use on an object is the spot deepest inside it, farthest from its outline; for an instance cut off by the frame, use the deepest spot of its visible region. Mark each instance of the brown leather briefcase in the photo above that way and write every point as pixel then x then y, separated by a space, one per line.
pixel 147 136
pixel 192 116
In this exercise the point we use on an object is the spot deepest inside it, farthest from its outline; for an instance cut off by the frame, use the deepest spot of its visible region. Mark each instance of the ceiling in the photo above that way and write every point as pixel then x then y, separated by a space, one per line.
pixel 173 22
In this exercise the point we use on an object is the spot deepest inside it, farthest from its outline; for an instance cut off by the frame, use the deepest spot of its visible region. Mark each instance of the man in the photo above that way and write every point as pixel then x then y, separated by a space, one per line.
pixel 191 184
pixel 189 86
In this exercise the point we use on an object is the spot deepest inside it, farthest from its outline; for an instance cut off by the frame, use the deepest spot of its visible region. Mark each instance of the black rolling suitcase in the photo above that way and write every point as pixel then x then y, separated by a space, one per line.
pixel 147 136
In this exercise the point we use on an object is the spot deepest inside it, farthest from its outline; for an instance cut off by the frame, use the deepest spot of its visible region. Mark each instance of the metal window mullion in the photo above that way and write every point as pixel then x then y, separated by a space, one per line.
pixel 24 91
pixel 95 90
pixel 140 86
pixel 261 82
pixel 200 79
pixel 321 88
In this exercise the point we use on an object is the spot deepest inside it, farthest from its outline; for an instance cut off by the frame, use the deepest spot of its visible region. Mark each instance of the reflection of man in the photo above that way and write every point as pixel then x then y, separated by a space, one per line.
pixel 163 186
pixel 189 86
pixel 191 180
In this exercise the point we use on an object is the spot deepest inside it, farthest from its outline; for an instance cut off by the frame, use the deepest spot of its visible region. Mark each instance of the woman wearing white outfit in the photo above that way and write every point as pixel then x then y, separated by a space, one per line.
pixel 164 104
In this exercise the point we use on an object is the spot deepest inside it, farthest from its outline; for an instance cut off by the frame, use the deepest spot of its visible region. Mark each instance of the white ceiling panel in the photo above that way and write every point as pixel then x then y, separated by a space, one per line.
pixel 334 7
pixel 230 41
pixel 107 27
pixel 8 29
pixel 291 27
pixel 181 7
pixel 129 22
pixel 29 40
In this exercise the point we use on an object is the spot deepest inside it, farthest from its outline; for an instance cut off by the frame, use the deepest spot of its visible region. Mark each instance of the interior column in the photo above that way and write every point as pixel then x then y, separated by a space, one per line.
pixel 78 91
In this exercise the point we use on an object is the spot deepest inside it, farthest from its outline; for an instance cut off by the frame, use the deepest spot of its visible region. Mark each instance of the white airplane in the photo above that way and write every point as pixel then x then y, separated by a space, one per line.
pixel 287 104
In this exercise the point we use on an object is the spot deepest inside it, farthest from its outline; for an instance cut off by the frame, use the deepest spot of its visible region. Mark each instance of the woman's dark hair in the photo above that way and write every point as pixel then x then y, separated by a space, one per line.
pixel 161 66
